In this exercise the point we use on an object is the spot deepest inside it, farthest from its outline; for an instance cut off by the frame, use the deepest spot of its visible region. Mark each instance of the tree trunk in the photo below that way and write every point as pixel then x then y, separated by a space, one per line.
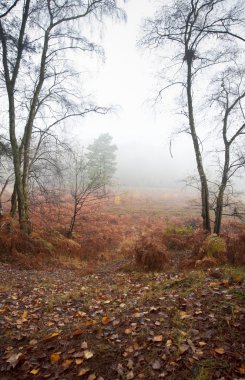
pixel 200 168
pixel 220 197
pixel 13 202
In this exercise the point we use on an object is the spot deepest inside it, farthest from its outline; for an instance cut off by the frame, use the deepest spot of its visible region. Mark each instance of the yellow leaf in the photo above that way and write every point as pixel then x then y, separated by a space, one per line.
pixel 202 344
pixel 55 357
pixel 92 377
pixel 51 336
pixel 79 361
pixel 105 320
pixel 88 354
pixel 219 350
pixel 169 343
pixel 183 315
pixel 158 338
pixel 66 363
pixel 35 371
pixel 24 315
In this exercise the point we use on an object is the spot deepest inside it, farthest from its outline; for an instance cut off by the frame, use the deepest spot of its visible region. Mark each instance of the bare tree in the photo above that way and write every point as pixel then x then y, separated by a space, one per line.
pixel 86 188
pixel 32 44
pixel 190 27
pixel 229 97
pixel 5 7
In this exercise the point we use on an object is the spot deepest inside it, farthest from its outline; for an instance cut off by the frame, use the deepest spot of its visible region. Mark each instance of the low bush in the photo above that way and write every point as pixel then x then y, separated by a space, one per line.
pixel 151 254
pixel 236 249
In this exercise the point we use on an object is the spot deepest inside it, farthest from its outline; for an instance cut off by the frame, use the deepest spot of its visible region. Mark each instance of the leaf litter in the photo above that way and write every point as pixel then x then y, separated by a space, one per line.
pixel 116 325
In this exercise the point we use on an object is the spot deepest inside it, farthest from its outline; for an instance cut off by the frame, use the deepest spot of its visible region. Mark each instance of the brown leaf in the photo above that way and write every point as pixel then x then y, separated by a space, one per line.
pixel 219 350
pixel 241 370
pixel 156 365
pixel 183 348
pixel 130 375
pixel 66 364
pixel 78 332
pixel 105 320
pixel 158 338
pixel 51 336
pixel 92 377
pixel 83 371
pixel 14 359
pixel 128 331
pixel 84 345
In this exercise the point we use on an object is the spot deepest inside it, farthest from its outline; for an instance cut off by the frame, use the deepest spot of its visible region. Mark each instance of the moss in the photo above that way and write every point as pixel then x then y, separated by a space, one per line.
pixel 202 374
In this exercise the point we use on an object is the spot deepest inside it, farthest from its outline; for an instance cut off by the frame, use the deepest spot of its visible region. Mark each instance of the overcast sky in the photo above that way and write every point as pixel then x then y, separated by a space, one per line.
pixel 142 134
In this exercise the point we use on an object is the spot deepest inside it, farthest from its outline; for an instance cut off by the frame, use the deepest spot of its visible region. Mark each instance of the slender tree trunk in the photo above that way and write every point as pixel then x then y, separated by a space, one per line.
pixel 222 187
pixel 13 202
pixel 200 168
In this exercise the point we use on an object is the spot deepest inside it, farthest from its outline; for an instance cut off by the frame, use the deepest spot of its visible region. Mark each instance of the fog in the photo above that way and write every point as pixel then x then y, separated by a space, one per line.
pixel 140 130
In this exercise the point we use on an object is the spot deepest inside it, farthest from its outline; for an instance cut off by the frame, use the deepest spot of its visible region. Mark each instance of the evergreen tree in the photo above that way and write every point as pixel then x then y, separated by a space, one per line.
pixel 101 158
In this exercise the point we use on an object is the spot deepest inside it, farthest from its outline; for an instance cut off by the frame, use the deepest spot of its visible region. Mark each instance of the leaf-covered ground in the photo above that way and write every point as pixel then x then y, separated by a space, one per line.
pixel 122 325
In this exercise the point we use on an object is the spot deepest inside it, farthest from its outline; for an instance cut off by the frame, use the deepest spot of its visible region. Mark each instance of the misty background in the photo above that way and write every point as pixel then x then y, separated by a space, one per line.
pixel 141 130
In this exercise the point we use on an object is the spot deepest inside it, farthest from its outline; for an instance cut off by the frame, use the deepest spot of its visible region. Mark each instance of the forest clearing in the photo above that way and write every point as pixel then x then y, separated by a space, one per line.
pixel 107 315
pixel 122 209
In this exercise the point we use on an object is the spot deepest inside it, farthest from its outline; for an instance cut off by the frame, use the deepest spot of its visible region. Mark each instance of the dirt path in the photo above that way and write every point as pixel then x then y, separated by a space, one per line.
pixel 116 325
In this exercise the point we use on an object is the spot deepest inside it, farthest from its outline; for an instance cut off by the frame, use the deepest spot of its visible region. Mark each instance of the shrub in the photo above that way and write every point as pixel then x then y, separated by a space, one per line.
pixel 151 254
pixel 236 249
pixel 214 246
pixel 183 230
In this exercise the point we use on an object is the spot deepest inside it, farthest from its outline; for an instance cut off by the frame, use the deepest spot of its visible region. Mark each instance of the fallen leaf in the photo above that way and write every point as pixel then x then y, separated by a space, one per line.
pixel 183 348
pixel 156 365
pixel 92 377
pixel 24 315
pixel 241 369
pixel 66 364
pixel 51 336
pixel 105 320
pixel 84 345
pixel 79 361
pixel 183 315
pixel 130 375
pixel 14 359
pixel 83 371
pixel 88 354
pixel 219 350
pixel 33 342
pixel 35 371
pixel 55 357
pixel 169 343
pixel 202 344
pixel 128 331
pixel 78 332
pixel 158 338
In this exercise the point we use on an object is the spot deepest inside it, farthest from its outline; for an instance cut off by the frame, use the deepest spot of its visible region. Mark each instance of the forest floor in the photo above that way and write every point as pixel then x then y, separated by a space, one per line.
pixel 120 323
